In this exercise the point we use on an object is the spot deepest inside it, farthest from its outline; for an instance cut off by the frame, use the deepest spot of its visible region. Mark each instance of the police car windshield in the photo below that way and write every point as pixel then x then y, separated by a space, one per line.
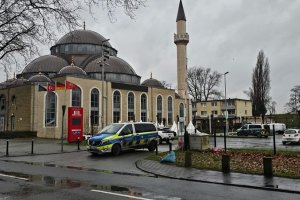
pixel 112 129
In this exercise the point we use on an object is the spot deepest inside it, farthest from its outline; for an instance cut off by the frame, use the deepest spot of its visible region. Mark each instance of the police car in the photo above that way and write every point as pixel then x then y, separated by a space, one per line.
pixel 123 136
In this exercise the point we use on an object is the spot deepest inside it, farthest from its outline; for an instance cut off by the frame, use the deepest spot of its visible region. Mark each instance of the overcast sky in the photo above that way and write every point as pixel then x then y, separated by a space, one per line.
pixel 225 35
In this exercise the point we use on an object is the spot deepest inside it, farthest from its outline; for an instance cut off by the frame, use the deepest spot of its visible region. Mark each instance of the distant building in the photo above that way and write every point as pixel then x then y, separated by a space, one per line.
pixel 108 89
pixel 239 111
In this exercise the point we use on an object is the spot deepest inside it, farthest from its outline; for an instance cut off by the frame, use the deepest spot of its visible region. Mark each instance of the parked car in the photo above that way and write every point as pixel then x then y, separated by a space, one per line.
pixel 291 136
pixel 278 127
pixel 165 134
pixel 258 130
pixel 123 136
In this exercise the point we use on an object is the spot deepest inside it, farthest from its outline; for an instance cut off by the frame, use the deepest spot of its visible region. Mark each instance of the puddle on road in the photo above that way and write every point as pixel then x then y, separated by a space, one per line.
pixel 66 183
pixel 81 168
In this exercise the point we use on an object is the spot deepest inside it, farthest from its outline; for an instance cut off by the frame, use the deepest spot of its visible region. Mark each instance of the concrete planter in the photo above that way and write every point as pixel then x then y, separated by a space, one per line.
pixel 199 141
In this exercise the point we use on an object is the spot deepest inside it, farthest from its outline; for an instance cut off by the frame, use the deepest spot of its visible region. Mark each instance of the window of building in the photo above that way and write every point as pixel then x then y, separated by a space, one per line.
pixel 245 112
pixel 144 108
pixel 181 110
pixel 116 107
pixel 170 110
pixel 245 103
pixel 76 97
pixel 203 113
pixel 2 102
pixel 203 104
pixel 214 112
pixel 50 109
pixel 159 109
pixel 130 107
pixel 13 100
pixel 214 103
pixel 94 107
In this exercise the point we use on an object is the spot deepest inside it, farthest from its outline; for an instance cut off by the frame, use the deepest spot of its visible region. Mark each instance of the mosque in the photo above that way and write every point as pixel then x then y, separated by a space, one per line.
pixel 84 71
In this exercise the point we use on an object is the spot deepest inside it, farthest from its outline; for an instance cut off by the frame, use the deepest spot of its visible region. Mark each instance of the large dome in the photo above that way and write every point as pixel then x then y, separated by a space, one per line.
pixel 83 37
pixel 45 64
pixel 115 65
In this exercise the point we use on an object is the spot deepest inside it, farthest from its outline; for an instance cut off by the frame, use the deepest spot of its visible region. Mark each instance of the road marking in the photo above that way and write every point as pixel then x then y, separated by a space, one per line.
pixel 122 195
pixel 15 177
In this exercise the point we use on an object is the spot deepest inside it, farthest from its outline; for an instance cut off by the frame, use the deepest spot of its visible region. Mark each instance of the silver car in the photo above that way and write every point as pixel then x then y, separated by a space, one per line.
pixel 291 136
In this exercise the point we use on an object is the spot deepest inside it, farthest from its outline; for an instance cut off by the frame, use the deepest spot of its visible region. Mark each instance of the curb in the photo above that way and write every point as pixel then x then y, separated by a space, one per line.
pixel 218 183
pixel 39 154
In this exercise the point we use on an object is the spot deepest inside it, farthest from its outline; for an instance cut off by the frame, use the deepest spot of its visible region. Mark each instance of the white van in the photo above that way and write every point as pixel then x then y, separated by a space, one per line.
pixel 278 127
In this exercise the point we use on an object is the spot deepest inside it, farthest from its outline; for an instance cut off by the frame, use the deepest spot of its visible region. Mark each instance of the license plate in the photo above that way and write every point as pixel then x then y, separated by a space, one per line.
pixel 93 147
pixel 289 138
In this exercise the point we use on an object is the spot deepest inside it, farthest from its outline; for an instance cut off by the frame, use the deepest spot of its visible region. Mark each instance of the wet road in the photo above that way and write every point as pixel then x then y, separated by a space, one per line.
pixel 78 175
pixel 253 142
pixel 44 182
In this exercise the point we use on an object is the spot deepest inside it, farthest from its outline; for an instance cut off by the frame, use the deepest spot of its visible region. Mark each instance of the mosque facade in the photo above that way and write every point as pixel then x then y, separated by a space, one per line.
pixel 83 70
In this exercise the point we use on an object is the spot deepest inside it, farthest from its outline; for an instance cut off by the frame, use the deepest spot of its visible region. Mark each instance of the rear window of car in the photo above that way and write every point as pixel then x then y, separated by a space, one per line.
pixel 290 132
pixel 139 128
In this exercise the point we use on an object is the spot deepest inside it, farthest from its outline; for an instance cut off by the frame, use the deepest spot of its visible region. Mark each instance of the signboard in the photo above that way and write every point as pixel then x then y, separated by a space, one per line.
pixel 75 124
pixel 181 119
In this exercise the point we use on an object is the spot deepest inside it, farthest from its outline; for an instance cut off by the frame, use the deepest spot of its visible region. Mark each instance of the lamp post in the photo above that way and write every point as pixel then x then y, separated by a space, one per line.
pixel 102 78
pixel 226 113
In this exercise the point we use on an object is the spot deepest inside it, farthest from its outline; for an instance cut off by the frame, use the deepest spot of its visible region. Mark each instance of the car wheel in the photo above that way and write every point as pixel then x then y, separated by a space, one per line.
pixel 160 140
pixel 152 145
pixel 94 154
pixel 116 150
pixel 284 143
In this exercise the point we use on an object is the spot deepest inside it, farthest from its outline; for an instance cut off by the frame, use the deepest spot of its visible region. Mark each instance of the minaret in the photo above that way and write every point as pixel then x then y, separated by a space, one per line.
pixel 181 39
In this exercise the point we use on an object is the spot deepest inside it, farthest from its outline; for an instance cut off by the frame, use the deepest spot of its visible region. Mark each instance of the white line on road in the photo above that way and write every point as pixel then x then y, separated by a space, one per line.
pixel 122 195
pixel 15 177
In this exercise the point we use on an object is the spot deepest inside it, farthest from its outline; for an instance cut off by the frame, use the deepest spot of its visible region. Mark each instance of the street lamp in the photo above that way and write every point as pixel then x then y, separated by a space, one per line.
pixel 226 113
pixel 102 78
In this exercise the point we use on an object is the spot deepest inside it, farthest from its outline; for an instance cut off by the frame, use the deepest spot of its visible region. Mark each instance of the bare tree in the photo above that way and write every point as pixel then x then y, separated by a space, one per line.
pixel 203 83
pixel 259 93
pixel 294 102
pixel 25 24
pixel 165 84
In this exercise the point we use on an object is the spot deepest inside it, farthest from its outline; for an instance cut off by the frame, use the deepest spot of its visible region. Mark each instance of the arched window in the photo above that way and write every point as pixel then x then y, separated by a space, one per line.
pixel 94 107
pixel 181 110
pixel 144 108
pixel 130 107
pixel 50 109
pixel 159 109
pixel 170 110
pixel 181 115
pixel 116 107
pixel 76 97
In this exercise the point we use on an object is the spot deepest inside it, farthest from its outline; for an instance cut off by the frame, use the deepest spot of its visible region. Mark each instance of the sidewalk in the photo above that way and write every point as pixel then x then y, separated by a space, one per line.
pixel 23 146
pixel 231 179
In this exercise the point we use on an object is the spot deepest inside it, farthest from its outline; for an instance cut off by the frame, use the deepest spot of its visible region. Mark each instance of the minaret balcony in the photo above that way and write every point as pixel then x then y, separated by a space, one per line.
pixel 181 38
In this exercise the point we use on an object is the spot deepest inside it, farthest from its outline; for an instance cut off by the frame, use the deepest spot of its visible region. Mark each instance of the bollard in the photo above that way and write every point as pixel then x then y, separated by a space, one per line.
pixel 187 159
pixel 156 148
pixel 7 143
pixel 225 163
pixel 267 162
pixel 32 146
pixel 78 142
pixel 170 146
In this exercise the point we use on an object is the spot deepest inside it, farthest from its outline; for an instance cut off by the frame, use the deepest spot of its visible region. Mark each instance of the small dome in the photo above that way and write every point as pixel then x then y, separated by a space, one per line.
pixel 83 37
pixel 39 78
pixel 45 64
pixel 115 65
pixel 151 82
pixel 72 69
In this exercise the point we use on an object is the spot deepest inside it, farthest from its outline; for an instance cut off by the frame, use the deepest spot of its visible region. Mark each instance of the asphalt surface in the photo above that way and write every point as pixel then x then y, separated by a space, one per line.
pixel 73 173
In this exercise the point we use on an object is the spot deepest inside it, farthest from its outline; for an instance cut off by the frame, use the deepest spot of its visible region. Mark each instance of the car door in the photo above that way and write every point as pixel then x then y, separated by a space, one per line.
pixel 127 137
